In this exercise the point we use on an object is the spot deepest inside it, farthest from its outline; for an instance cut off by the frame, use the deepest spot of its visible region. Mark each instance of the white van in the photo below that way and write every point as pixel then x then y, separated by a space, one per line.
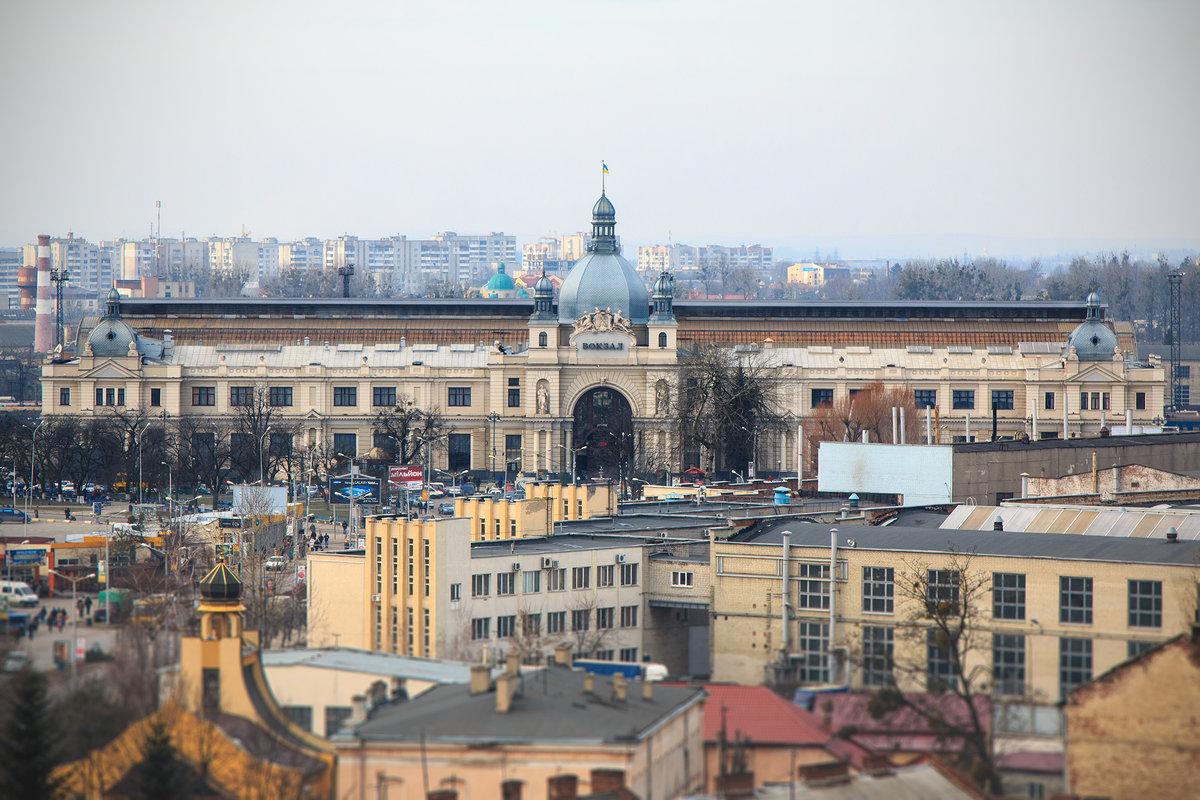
pixel 18 593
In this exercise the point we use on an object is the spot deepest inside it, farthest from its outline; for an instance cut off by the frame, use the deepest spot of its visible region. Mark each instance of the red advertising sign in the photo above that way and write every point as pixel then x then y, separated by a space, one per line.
pixel 406 477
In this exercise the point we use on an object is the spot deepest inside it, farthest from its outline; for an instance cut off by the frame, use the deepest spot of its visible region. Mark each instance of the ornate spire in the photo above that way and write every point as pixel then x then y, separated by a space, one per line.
pixel 604 226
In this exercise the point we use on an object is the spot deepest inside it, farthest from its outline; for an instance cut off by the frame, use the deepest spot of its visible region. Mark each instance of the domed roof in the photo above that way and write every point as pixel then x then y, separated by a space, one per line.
pixel 664 284
pixel 602 278
pixel 522 294
pixel 1093 340
pixel 544 285
pixel 501 281
pixel 604 208
pixel 221 584
pixel 111 337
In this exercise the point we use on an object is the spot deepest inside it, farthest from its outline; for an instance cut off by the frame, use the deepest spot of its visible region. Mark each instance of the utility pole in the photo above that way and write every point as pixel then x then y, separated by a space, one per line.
pixel 346 272
pixel 59 277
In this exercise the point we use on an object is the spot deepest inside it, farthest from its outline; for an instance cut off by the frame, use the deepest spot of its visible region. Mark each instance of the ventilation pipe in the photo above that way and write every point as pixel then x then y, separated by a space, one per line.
pixel 866 437
pixel 928 425
pixel 895 426
pixel 1066 405
pixel 1129 422
pixel 834 673
pixel 1095 475
pixel 967 437
pixel 903 435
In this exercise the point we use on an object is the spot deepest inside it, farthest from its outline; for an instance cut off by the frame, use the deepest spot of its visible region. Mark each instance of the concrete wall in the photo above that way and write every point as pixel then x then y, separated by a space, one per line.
pixel 921 474
pixel 981 471
pixel 1131 478
pixel 336 594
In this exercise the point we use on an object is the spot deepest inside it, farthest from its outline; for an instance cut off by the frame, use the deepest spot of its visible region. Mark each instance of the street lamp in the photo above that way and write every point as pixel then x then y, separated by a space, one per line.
pixel 74 600
pixel 140 434
pixel 493 418
pixel 261 479
pixel 32 462
pixel 572 451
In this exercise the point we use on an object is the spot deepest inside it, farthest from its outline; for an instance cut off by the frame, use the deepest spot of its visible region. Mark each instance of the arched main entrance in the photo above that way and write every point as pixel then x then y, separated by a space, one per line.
pixel 603 434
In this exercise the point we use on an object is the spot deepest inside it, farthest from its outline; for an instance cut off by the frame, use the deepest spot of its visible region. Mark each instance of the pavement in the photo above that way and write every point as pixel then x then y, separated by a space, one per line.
pixel 41 647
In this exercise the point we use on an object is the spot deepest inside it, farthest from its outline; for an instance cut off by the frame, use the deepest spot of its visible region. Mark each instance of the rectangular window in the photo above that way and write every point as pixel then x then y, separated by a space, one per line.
pixel 822 397
pixel 156 397
pixel 1183 395
pixel 280 396
pixel 963 399
pixel 1075 600
pixel 879 590
pixel 514 398
pixel 1002 399
pixel 629 654
pixel 629 574
pixel 1083 401
pixel 531 624
pixel 556 622
pixel 1049 401
pixel 458 448
pixel 110 397
pixel 100 397
pixel 939 662
pixel 1135 649
pixel 1095 401
pixel 878 641
pixel 1139 401
pixel 346 444
pixel 64 397
pixel 1008 663
pixel 604 576
pixel 603 655
pixel 629 615
pixel 533 582
pixel 813 588
pixel 813 643
pixel 580 619
pixel 120 397
pixel 383 396
pixel 1145 604
pixel 204 395
pixel 925 398
pixel 506 626
pixel 604 618
pixel 512 447
pixel 279 445
pixel 682 579
pixel 480 585
pixel 556 580
pixel 241 396
pixel 301 715
pixel 335 716
pixel 581 577
pixel 941 592
pixel 345 396
pixel 1183 370
pixel 1074 663
pixel 455 592
pixel 1104 401
pixel 1008 595
pixel 480 627
pixel 458 396
pixel 506 583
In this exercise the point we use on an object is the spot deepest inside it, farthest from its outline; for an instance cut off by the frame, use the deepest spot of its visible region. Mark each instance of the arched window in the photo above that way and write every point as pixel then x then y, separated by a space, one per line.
pixel 542 339
pixel 662 340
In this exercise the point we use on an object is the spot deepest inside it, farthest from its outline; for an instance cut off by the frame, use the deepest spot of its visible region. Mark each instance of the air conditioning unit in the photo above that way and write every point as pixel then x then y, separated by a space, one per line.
pixel 375 598
pixel 516 566
pixel 620 558
pixel 547 562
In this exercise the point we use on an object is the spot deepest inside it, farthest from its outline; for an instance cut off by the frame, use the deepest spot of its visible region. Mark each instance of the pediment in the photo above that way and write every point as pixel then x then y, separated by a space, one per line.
pixel 1094 375
pixel 109 371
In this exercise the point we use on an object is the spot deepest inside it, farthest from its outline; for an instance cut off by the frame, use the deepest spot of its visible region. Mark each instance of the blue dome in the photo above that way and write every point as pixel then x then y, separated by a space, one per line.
pixel 604 208
pixel 603 280
pixel 543 286
pixel 1093 340
pixel 111 338
pixel 501 281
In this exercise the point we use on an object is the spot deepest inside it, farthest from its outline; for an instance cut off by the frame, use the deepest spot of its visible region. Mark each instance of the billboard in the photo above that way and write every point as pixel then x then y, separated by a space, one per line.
pixel 249 499
pixel 365 490
pixel 405 477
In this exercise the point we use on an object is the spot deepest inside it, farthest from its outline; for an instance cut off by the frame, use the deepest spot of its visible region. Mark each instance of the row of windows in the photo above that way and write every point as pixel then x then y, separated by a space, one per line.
pixel 1002 399
pixel 556 622
pixel 1008 595
pixel 243 396
pixel 556 580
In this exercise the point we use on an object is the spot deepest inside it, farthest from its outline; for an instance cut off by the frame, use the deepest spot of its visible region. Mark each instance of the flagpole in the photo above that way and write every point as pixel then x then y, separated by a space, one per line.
pixel 602 174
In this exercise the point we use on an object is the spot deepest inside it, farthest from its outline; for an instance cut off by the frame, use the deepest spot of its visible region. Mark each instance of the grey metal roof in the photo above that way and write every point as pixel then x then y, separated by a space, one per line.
pixel 344 356
pixel 550 706
pixel 603 280
pixel 1080 520
pixel 374 663
pixel 917 782
pixel 1020 544
pixel 571 541
pixel 1080 443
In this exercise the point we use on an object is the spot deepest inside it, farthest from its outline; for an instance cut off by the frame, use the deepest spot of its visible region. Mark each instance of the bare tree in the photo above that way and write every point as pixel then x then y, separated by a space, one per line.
pixel 202 451
pixel 870 409
pixel 410 430
pixel 945 644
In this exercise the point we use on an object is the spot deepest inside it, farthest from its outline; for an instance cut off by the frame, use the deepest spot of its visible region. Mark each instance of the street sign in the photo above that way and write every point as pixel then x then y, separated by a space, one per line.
pixel 25 556
pixel 406 476
pixel 80 649
pixel 300 572
pixel 102 571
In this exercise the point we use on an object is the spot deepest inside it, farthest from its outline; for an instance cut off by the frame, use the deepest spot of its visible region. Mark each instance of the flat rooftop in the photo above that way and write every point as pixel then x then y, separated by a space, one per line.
pixel 1020 544
pixel 348 659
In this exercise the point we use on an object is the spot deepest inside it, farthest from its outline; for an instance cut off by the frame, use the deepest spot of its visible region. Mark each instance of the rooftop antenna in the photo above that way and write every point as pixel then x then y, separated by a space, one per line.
pixel 59 277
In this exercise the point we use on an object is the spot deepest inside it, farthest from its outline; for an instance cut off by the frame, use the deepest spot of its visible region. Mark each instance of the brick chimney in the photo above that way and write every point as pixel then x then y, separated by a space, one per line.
pixel 739 785
pixel 511 790
pixel 506 684
pixel 481 678
pixel 589 683
pixel 562 787
pixel 620 687
pixel 647 690
pixel 512 663
pixel 824 774
pixel 562 654
pixel 607 780
pixel 358 711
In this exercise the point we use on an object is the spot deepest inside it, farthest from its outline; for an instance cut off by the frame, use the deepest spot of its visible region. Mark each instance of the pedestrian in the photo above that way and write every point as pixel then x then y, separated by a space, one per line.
pixel 62 618
pixel 87 606
pixel 31 628
pixel 42 615
pixel 79 606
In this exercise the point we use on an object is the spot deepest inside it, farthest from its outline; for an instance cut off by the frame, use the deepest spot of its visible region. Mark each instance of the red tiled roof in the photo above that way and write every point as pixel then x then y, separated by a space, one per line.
pixel 759 715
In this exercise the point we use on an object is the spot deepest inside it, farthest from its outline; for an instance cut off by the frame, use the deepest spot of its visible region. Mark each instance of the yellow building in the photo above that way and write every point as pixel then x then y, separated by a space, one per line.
pixel 1133 732
pixel 545 504
pixel 222 718
pixel 1048 611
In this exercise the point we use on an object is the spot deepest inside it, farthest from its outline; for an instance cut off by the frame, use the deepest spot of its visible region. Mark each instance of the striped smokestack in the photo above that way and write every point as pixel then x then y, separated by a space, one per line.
pixel 43 330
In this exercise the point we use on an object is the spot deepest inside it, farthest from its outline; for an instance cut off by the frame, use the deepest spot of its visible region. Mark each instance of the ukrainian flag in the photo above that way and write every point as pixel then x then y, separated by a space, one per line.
pixel 604 167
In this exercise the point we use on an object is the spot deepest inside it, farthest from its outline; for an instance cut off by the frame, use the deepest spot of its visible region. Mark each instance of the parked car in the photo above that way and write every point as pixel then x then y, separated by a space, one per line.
pixel 446 508
pixel 19 593
pixel 13 515
pixel 15 661
pixel 275 564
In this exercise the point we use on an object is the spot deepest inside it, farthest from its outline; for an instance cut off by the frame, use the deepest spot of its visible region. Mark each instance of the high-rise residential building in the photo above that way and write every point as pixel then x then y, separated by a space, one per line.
pixel 234 254
pixel 673 257
pixel 306 253
pixel 10 262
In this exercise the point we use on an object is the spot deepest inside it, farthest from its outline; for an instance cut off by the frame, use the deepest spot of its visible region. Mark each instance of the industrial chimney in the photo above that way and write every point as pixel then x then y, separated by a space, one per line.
pixel 43 330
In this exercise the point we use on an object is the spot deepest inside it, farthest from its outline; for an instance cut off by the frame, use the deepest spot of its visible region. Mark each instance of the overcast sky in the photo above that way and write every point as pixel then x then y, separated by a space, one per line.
pixel 784 121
